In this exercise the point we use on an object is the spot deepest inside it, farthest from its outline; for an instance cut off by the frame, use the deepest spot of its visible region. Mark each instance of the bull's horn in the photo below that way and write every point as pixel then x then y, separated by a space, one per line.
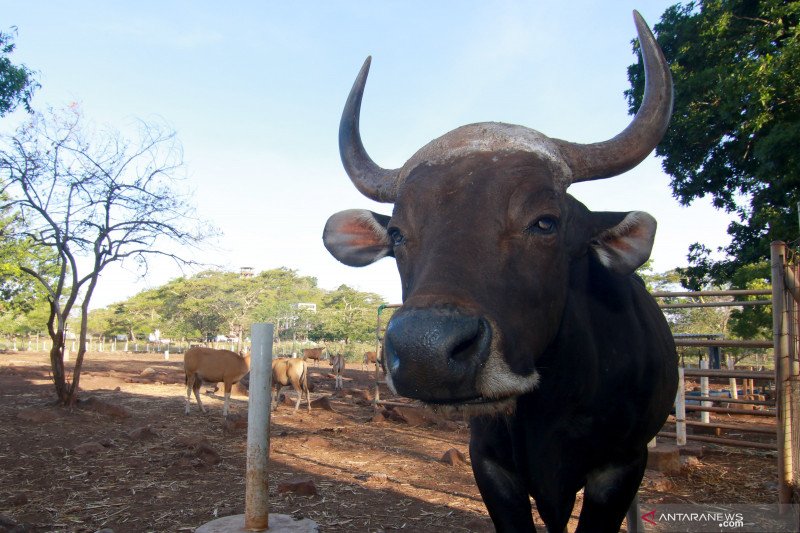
pixel 629 148
pixel 374 182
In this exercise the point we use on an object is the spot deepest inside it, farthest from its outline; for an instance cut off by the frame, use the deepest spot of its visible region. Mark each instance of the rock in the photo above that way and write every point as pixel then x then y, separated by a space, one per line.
pixel 34 414
pixel 104 408
pixel 379 417
pixel 207 455
pixel 89 448
pixel 286 400
pixel 302 486
pixel 322 403
pixel 690 461
pixel 142 433
pixel 413 416
pixel 234 423
pixel 664 458
pixel 453 457
pixel 361 394
pixel 148 373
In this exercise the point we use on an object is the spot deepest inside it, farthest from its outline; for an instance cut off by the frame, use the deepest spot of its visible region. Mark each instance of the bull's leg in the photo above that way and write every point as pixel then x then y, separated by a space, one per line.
pixel 299 391
pixel 633 518
pixel 501 487
pixel 189 386
pixel 196 388
pixel 228 387
pixel 274 394
pixel 609 493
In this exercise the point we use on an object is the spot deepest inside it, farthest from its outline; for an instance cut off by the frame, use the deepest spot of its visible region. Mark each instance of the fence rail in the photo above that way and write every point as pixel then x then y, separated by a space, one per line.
pixel 785 409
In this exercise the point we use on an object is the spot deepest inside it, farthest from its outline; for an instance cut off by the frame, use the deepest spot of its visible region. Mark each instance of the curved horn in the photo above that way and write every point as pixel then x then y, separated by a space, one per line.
pixel 629 148
pixel 372 181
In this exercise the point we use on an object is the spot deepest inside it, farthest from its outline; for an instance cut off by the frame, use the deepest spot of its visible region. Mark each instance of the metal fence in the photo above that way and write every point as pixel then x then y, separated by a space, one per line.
pixel 778 397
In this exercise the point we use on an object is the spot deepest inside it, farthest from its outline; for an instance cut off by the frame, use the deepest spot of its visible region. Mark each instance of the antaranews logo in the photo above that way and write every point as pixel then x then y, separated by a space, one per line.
pixel 649 517
pixel 713 518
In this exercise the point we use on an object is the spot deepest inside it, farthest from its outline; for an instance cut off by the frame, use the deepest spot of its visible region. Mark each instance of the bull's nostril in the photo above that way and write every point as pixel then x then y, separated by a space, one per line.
pixel 435 354
pixel 471 342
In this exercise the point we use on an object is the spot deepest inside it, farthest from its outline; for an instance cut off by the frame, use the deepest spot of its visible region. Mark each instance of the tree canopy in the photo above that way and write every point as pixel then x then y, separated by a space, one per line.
pixel 213 303
pixel 17 82
pixel 735 129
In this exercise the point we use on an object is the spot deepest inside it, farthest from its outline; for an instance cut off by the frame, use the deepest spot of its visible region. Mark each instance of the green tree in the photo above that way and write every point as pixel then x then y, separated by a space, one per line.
pixel 92 199
pixel 348 315
pixel 19 294
pixel 17 82
pixel 735 129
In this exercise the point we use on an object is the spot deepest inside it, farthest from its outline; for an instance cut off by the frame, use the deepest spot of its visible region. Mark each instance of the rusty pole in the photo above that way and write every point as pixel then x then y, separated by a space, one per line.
pixel 256 514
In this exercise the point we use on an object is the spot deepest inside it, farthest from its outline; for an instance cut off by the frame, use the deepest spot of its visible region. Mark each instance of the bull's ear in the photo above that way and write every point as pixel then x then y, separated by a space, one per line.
pixel 626 245
pixel 357 237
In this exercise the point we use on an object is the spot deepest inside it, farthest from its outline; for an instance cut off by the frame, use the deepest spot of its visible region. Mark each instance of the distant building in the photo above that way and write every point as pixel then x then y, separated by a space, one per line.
pixel 246 272
pixel 305 307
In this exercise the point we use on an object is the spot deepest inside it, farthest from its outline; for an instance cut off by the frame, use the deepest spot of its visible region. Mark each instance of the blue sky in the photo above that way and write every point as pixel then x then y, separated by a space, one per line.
pixel 255 91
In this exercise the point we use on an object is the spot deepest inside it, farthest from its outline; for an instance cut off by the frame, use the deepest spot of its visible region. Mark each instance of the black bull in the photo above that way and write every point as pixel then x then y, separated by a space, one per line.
pixel 521 308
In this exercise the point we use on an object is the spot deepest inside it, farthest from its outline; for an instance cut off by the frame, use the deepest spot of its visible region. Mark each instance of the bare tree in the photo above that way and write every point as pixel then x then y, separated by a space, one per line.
pixel 95 198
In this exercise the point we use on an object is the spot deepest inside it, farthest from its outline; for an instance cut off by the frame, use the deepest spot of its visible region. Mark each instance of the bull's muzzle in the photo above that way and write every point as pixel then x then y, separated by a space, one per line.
pixel 435 355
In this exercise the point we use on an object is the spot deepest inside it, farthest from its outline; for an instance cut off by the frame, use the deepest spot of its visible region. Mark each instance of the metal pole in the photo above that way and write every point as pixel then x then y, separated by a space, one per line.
pixel 782 371
pixel 256 517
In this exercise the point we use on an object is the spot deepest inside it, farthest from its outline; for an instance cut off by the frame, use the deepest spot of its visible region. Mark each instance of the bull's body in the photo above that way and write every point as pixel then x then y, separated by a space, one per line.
pixel 370 358
pixel 292 372
pixel 338 364
pixel 606 385
pixel 210 365
pixel 521 307
pixel 313 354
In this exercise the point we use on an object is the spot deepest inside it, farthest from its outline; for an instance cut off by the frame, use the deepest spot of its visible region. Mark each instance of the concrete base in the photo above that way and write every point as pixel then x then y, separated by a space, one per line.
pixel 664 458
pixel 280 523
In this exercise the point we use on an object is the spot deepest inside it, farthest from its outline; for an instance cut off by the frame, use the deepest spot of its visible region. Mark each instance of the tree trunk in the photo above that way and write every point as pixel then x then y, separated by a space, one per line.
pixel 76 373
pixel 57 367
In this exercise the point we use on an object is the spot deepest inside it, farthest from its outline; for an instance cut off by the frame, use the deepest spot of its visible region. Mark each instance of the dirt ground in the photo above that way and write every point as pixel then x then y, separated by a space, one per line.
pixel 129 459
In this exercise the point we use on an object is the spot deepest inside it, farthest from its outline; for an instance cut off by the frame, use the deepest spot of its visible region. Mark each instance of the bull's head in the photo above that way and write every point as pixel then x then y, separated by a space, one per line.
pixel 486 240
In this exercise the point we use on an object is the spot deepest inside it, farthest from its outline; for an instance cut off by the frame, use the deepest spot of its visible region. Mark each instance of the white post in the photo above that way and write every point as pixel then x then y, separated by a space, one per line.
pixel 256 515
pixel 680 410
pixel 704 415
pixel 166 354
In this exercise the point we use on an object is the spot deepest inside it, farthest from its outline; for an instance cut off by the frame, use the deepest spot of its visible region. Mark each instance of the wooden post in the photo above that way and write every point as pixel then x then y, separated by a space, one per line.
pixel 705 416
pixel 680 410
pixel 734 387
pixel 780 339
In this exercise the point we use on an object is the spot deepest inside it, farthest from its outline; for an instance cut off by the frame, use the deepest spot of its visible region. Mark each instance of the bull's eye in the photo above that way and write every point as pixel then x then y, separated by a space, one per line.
pixel 543 226
pixel 396 237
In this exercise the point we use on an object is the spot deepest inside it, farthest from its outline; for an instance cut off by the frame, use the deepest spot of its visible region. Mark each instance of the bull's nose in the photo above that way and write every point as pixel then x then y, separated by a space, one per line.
pixel 434 354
